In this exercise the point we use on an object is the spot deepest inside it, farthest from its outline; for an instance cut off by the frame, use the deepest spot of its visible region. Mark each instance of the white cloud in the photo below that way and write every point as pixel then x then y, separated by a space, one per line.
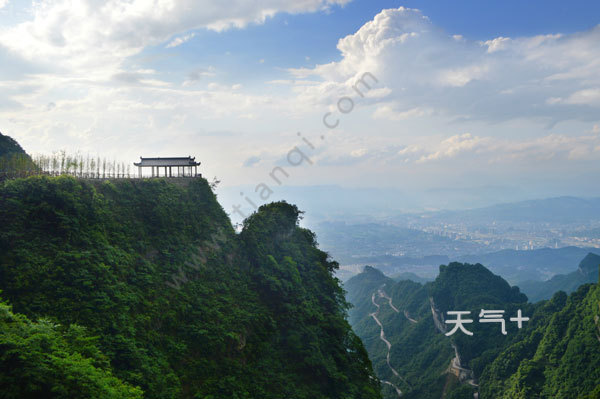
pixel 585 97
pixel 482 150
pixel 474 152
pixel 388 111
pixel 3 3
pixel 496 44
pixel 83 34
pixel 455 145
pixel 69 80
pixel 461 76
pixel 361 152
pixel 545 78
pixel 178 41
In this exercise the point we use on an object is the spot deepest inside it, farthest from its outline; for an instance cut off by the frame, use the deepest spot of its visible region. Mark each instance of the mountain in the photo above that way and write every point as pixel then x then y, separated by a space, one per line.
pixel 13 158
pixel 360 287
pixel 141 288
pixel 556 356
pixel 404 332
pixel 518 266
pixel 9 145
pixel 587 272
pixel 565 209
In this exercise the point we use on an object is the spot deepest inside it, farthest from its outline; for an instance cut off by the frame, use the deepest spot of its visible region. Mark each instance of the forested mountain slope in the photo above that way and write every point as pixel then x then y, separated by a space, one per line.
pixel 143 289
pixel 12 157
pixel 556 353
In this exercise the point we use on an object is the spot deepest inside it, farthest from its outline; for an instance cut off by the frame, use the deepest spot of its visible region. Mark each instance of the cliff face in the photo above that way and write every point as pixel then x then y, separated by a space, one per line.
pixel 179 304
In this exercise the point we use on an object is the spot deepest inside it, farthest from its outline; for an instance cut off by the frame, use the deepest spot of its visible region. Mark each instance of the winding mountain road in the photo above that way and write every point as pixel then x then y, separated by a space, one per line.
pixel 381 294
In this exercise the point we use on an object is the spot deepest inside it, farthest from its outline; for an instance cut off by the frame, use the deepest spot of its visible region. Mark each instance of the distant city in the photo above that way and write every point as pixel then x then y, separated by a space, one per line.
pixel 419 242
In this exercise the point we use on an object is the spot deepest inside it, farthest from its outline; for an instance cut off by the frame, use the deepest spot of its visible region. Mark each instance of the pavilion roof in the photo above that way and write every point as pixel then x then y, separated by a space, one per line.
pixel 172 161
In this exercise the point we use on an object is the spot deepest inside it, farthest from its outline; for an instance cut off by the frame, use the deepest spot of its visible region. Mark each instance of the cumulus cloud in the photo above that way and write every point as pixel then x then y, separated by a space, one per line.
pixel 486 150
pixel 539 77
pixel 496 44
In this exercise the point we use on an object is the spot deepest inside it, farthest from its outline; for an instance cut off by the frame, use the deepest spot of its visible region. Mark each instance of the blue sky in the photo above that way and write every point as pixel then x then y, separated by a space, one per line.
pixel 469 94
pixel 238 53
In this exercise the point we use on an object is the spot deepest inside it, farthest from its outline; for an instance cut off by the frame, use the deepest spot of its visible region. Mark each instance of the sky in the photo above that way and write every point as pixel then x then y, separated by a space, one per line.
pixel 480 97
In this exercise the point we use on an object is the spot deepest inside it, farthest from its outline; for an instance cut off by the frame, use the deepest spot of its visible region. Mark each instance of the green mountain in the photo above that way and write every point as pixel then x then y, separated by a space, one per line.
pixel 556 356
pixel 141 288
pixel 587 272
pixel 9 145
pixel 13 158
pixel 551 356
pixel 359 289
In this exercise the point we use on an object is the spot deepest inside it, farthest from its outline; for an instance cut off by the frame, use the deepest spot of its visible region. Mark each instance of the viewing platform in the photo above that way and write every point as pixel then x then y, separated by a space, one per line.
pixel 184 166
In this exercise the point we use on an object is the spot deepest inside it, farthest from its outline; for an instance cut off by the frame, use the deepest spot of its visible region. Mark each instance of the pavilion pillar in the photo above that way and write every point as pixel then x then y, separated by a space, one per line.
pixel 140 172
pixel 170 171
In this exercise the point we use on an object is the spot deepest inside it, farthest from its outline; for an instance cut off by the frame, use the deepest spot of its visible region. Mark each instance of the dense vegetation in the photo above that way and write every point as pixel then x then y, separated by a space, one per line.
pixel 39 360
pixel 142 288
pixel 555 355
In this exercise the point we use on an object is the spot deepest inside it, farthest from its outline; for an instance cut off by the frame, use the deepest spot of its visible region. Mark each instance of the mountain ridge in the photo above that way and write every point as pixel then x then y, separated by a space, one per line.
pixel 178 303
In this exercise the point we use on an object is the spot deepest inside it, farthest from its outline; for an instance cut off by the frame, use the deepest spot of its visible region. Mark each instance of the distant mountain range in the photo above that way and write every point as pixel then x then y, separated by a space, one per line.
pixel 366 204
pixel 587 272
pixel 538 264
pixel 565 209
pixel 515 266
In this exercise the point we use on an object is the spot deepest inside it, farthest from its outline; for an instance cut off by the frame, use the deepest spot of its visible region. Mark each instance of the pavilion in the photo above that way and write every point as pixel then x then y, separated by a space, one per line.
pixel 185 166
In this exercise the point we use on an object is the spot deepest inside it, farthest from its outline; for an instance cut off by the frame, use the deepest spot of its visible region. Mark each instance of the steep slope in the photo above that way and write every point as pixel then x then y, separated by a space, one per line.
pixel 430 364
pixel 359 289
pixel 182 307
pixel 557 356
